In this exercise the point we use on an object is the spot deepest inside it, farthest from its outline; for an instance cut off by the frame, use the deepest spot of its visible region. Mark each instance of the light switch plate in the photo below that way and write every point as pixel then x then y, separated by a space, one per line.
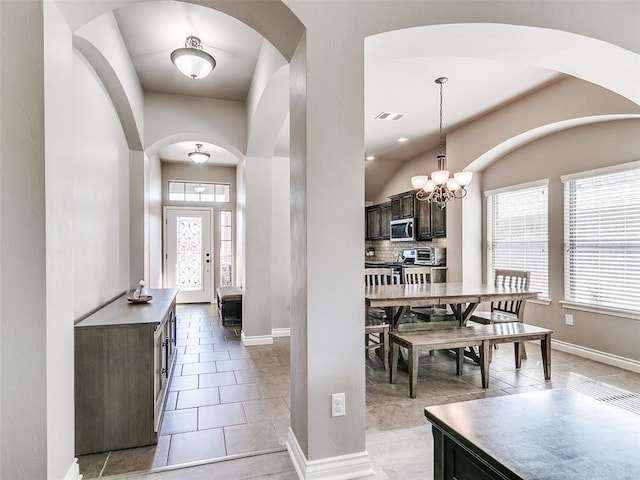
pixel 568 319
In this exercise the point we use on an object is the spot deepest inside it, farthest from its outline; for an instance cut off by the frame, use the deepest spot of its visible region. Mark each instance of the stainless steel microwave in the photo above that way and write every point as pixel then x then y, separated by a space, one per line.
pixel 402 230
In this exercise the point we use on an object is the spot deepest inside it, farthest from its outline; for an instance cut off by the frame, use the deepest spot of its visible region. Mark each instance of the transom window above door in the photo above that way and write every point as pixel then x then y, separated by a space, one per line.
pixel 205 192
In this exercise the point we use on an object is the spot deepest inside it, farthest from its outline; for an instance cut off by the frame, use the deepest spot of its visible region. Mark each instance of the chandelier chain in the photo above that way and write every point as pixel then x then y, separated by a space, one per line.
pixel 441 136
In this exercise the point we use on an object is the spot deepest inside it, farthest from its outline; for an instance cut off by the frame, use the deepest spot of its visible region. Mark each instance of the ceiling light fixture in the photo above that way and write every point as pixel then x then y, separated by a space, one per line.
pixel 402 139
pixel 198 155
pixel 441 189
pixel 370 157
pixel 192 60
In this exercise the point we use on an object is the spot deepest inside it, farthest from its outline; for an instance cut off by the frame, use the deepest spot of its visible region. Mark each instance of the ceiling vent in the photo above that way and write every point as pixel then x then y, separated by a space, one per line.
pixel 390 116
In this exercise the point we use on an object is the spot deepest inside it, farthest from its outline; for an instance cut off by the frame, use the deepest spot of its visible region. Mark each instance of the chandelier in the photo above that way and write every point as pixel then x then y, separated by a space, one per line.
pixel 198 155
pixel 192 60
pixel 440 188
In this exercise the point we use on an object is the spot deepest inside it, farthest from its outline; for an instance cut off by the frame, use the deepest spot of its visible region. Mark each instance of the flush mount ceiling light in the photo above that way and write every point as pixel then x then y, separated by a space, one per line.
pixel 192 60
pixel 440 189
pixel 198 155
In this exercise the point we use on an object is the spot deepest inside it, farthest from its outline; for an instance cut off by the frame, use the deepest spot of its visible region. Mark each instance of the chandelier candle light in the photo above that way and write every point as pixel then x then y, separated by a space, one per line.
pixel 192 60
pixel 198 155
pixel 440 188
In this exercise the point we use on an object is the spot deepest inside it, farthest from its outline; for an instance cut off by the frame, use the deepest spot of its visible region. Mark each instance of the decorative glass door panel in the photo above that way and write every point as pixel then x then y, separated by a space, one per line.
pixel 188 260
pixel 189 253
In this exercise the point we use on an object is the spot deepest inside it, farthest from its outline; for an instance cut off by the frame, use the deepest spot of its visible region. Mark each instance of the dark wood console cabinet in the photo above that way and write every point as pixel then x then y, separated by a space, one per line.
pixel 124 355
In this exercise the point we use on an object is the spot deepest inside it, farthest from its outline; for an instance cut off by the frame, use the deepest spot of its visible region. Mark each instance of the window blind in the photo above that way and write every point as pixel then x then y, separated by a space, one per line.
pixel 602 239
pixel 517 233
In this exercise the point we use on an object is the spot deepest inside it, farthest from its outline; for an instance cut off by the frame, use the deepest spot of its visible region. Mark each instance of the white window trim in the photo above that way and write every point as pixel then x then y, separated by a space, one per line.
pixel 521 186
pixel 614 312
pixel 601 171
pixel 540 301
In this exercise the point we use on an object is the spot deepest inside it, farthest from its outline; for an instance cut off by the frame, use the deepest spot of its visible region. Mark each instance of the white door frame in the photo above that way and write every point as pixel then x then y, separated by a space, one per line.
pixel 165 262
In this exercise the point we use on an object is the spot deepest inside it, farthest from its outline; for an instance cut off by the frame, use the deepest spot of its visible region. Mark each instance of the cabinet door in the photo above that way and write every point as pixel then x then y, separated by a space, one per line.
pixel 423 220
pixel 438 222
pixel 460 464
pixel 406 205
pixel 159 361
pixel 385 218
pixel 396 209
pixel 373 223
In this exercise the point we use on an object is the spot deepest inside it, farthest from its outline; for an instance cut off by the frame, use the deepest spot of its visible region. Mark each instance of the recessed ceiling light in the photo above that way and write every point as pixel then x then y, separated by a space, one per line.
pixel 402 139
pixel 370 157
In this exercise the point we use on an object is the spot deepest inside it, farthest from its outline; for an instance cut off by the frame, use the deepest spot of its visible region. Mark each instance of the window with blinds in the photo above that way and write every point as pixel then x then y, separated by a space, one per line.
pixel 517 232
pixel 602 237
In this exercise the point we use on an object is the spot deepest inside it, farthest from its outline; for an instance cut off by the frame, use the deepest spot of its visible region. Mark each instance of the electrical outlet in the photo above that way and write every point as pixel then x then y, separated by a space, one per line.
pixel 568 319
pixel 337 404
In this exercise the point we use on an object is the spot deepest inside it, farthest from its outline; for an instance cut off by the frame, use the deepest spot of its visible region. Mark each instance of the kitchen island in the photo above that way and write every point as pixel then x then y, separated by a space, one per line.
pixel 554 434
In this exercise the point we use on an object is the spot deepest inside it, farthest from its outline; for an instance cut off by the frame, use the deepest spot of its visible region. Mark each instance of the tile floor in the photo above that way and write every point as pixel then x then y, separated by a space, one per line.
pixel 229 402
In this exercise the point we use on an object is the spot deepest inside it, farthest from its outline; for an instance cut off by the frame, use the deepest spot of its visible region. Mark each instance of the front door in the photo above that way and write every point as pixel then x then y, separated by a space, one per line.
pixel 188 259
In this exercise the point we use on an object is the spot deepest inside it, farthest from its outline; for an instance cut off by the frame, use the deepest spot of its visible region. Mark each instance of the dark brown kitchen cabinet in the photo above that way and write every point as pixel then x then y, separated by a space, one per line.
pixel 438 221
pixel 431 221
pixel 402 205
pixel 124 355
pixel 385 219
pixel 378 218
pixel 373 222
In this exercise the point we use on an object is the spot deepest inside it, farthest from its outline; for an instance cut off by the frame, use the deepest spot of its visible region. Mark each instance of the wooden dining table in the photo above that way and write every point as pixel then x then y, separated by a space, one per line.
pixel 462 298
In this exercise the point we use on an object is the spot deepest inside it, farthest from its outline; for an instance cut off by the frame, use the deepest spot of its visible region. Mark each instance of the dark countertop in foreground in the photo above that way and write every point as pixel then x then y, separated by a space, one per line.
pixel 554 434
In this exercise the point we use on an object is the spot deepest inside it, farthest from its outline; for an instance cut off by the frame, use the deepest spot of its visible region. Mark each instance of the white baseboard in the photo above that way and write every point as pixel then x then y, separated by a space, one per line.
pixel 280 332
pixel 597 355
pixel 74 471
pixel 343 467
pixel 256 339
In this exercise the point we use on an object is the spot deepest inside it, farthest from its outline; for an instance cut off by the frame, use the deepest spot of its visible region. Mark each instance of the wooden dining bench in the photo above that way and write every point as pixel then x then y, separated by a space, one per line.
pixel 482 336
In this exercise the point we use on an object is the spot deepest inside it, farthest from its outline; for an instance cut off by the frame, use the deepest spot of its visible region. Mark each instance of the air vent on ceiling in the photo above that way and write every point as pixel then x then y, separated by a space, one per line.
pixel 390 116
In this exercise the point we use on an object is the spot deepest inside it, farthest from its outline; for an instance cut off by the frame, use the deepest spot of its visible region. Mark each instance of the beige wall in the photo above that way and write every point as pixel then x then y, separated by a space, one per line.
pixel 573 151
pixel 98 174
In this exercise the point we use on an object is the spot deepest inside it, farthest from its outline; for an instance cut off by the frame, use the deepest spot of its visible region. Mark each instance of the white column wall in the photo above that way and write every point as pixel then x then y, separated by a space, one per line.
pixel 155 222
pixel 23 341
pixel 327 195
pixel 137 218
pixel 256 301
pixel 60 247
pixel 280 246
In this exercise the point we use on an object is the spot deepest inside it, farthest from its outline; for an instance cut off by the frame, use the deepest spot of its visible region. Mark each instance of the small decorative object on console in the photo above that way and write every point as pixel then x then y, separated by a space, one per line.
pixel 140 295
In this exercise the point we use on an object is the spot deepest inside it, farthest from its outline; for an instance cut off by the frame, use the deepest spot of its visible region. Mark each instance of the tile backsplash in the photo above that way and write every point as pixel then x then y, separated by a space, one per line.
pixel 387 251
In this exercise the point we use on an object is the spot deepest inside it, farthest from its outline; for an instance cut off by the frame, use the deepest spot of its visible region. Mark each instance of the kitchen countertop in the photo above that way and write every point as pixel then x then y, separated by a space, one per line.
pixel 369 264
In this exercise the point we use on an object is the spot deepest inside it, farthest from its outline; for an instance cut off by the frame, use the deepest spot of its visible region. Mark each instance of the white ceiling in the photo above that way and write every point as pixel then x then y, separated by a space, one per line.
pixel 152 30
